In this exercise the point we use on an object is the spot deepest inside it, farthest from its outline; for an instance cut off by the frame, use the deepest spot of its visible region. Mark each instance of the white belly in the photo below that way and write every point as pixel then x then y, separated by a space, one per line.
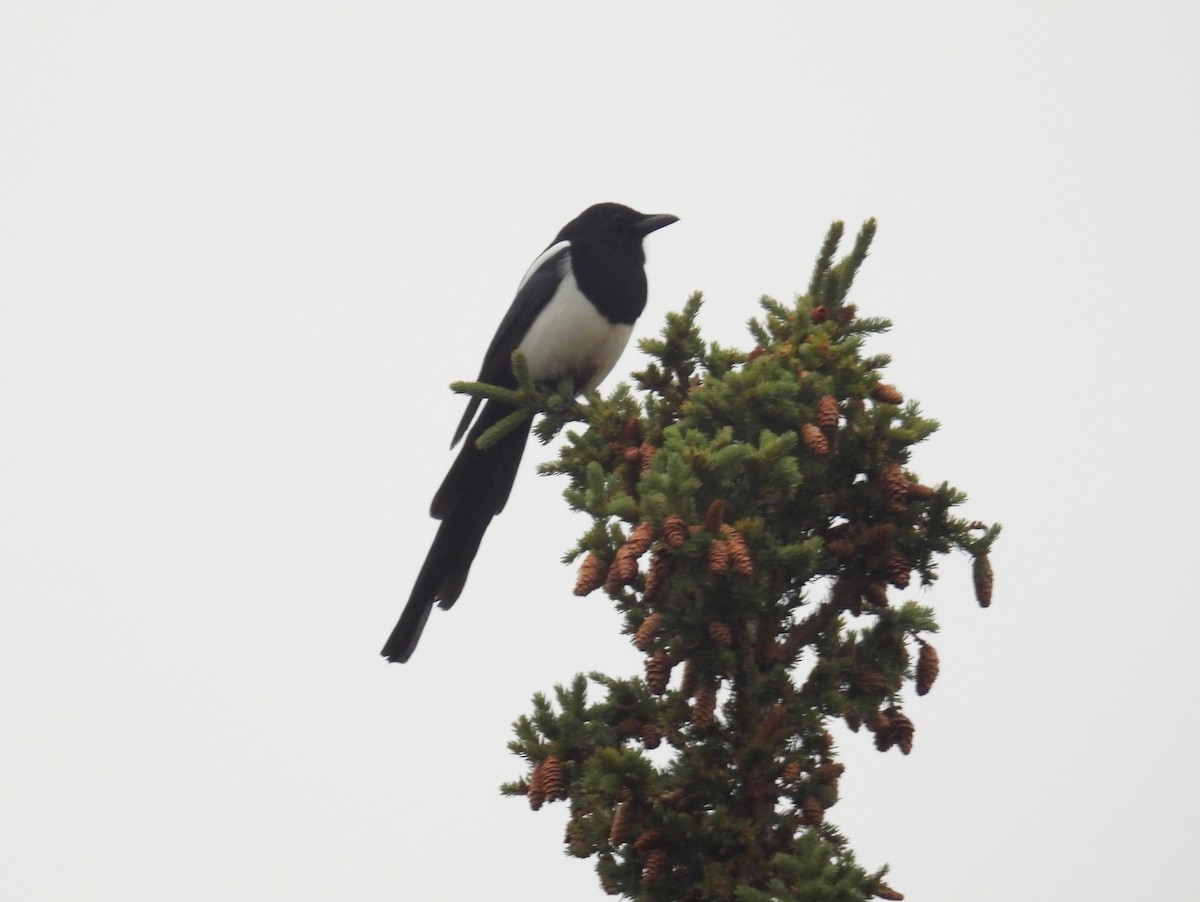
pixel 571 338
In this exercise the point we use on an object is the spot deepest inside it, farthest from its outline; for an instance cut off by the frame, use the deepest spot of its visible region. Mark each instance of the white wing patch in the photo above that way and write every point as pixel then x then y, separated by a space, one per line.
pixel 542 258
pixel 570 337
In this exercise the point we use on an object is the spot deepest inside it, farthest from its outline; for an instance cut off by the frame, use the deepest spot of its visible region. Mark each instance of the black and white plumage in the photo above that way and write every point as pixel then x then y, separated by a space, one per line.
pixel 572 317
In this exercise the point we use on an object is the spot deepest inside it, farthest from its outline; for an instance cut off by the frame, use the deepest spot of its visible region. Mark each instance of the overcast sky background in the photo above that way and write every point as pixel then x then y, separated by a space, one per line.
pixel 245 248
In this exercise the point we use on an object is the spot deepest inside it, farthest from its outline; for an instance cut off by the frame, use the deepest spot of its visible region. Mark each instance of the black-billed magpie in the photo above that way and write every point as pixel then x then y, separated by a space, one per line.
pixel 572 317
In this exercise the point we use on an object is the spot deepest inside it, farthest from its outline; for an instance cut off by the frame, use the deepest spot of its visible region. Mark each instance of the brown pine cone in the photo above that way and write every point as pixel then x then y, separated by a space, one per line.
pixel 791 772
pixel 714 516
pixel 887 394
pixel 899 571
pixel 814 813
pixel 632 430
pixel 883 735
pixel 814 439
pixel 640 539
pixel 893 727
pixel 927 668
pixel 721 634
pixel 869 680
pixel 619 831
pixel 827 413
pixel 841 547
pixel 895 488
pixel 675 531
pixel 819 314
pixel 658 672
pixel 647 840
pixel 904 731
pixel 981 570
pixel 643 639
pixel 687 685
pixel 704 708
pixel 537 789
pixel 847 313
pixel 920 492
pixel 651 736
pixel 880 534
pixel 656 863
pixel 886 892
pixel 739 553
pixel 829 773
pixel 646 453
pixel 773 723
pixel 623 570
pixel 553 781
pixel 592 574
pixel 718 556
pixel 876 594
pixel 656 575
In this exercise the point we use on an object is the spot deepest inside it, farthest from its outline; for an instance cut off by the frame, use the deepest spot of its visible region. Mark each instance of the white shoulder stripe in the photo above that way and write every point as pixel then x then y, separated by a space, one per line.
pixel 541 260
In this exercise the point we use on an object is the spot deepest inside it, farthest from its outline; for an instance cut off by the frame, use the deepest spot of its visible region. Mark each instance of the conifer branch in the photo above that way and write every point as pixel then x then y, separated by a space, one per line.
pixel 558 404
pixel 486 391
pixel 825 259
pixel 494 433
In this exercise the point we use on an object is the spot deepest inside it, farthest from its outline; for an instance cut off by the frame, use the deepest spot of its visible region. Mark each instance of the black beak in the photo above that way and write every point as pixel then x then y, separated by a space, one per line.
pixel 652 222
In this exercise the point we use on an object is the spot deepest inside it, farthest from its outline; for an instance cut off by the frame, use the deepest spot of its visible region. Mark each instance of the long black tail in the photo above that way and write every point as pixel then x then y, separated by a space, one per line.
pixel 474 491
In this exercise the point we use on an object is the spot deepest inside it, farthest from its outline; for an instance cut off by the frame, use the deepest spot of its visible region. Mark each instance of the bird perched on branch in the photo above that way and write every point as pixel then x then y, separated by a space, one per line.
pixel 571 318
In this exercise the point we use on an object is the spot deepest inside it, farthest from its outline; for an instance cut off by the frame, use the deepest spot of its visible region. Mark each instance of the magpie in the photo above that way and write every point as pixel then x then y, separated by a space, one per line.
pixel 572 316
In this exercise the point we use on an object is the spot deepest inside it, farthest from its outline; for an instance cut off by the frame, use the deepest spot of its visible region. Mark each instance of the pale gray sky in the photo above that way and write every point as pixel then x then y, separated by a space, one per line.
pixel 247 246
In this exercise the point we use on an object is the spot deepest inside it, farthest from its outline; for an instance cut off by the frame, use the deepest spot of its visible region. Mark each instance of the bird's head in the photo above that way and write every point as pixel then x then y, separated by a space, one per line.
pixel 613 225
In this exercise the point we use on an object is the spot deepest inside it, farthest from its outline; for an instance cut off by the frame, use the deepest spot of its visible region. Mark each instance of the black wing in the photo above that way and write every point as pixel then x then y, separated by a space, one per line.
pixel 532 297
